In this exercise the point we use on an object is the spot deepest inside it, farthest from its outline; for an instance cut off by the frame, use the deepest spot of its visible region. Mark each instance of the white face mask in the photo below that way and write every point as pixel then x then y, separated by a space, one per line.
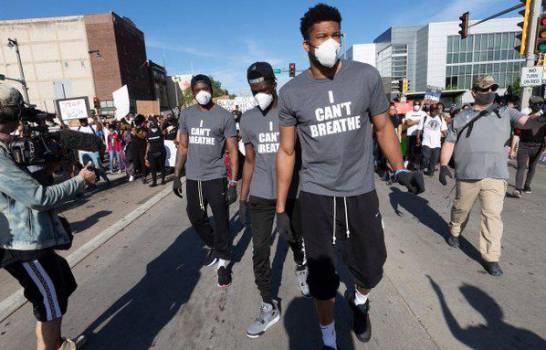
pixel 203 97
pixel 416 108
pixel 327 53
pixel 263 100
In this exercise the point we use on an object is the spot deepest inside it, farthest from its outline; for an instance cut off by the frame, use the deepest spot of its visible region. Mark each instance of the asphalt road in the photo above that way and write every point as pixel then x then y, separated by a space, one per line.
pixel 146 287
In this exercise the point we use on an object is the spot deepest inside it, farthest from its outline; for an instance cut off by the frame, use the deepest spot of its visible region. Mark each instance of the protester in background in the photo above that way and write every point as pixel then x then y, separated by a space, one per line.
pixel 155 152
pixel 412 120
pixel 477 138
pixel 93 157
pixel 113 148
pixel 530 146
pixel 137 152
pixel 431 130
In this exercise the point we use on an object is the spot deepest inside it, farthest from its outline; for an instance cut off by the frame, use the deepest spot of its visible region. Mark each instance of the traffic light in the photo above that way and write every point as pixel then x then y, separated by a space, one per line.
pixel 96 102
pixel 524 25
pixel 464 25
pixel 292 70
pixel 541 35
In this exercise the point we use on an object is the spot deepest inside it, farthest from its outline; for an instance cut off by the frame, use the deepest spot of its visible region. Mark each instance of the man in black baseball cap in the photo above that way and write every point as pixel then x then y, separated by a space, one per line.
pixel 260 134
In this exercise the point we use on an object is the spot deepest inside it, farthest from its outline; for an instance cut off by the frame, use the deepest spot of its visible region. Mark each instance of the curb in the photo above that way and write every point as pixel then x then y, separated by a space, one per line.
pixel 12 303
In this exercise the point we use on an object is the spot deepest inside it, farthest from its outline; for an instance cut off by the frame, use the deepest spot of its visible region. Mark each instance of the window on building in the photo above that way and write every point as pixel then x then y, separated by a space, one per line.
pixel 479 54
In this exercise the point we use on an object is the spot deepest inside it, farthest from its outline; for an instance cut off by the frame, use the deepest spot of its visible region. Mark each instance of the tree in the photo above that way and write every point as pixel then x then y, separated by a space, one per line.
pixel 186 96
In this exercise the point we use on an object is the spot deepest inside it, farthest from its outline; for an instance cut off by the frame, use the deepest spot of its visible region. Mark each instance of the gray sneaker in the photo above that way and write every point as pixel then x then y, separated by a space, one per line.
pixel 301 277
pixel 269 315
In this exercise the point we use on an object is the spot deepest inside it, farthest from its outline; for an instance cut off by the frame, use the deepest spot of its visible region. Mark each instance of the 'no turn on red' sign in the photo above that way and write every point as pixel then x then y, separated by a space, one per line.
pixel 531 76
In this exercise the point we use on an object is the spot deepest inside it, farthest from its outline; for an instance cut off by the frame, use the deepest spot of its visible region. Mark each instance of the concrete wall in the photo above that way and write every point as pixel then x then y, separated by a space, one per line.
pixel 55 58
pixel 365 53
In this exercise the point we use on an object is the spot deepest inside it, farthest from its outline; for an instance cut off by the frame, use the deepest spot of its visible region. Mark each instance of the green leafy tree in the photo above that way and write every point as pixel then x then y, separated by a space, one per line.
pixel 186 96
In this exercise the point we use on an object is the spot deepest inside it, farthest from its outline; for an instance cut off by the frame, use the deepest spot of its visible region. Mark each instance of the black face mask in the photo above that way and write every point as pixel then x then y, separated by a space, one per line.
pixel 484 99
pixel 536 107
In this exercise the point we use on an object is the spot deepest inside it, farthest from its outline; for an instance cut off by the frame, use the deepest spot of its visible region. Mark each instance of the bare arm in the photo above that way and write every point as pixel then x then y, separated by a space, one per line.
pixel 231 144
pixel 286 158
pixel 410 122
pixel 529 122
pixel 388 141
pixel 446 153
pixel 182 153
pixel 514 146
pixel 248 170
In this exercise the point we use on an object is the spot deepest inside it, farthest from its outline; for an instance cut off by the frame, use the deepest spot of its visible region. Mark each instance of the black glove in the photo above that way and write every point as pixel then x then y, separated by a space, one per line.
pixel 231 195
pixel 413 180
pixel 283 225
pixel 244 212
pixel 444 172
pixel 177 187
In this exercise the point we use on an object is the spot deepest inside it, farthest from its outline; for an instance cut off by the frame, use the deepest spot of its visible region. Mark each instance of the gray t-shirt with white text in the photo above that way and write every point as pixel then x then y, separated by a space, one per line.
pixel 482 154
pixel 207 133
pixel 333 120
pixel 262 131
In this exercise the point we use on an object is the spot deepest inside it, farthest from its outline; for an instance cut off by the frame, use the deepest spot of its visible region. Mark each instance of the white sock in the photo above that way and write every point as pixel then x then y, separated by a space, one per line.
pixel 329 335
pixel 222 262
pixel 360 299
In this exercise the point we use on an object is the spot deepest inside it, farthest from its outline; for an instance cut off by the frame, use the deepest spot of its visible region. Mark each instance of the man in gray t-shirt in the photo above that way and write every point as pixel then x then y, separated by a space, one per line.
pixel 206 131
pixel 477 137
pixel 260 133
pixel 334 107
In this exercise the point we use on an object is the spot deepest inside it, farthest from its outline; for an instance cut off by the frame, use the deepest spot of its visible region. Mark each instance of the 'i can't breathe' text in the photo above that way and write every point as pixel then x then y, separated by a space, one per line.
pixel 334 119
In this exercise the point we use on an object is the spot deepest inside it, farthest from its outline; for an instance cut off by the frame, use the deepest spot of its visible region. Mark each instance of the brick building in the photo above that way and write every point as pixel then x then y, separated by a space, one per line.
pixel 72 56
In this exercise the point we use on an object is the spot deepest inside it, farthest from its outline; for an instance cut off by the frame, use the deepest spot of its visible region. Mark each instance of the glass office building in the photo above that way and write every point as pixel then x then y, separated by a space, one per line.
pixel 479 54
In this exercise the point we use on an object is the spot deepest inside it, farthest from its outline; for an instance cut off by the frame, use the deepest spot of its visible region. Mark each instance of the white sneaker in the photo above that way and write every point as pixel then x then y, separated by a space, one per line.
pixel 131 178
pixel 301 278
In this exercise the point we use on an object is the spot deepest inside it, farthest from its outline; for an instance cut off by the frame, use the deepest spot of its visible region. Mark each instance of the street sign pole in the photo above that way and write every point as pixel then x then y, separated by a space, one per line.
pixel 526 92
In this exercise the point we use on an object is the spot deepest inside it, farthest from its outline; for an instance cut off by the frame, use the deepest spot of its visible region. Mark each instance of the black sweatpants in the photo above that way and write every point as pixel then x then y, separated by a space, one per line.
pixel 213 193
pixel 413 152
pixel 528 154
pixel 157 163
pixel 47 282
pixel 262 213
pixel 430 158
pixel 324 221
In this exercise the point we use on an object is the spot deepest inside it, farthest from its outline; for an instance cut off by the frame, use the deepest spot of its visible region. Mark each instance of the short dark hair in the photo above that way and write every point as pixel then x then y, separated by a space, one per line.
pixel 319 13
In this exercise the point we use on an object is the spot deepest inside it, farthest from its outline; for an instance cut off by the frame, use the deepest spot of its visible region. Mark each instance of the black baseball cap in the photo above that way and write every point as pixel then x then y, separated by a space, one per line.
pixel 201 78
pixel 258 72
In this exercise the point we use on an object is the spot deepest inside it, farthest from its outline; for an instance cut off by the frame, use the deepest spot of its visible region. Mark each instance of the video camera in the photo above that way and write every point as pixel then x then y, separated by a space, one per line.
pixel 42 141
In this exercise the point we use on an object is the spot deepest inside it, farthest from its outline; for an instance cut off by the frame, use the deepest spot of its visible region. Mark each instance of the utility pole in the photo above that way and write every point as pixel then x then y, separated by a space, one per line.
pixel 12 43
pixel 536 7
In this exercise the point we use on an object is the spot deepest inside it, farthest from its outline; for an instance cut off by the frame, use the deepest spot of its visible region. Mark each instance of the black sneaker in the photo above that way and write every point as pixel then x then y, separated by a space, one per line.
pixel 493 268
pixel 210 259
pixel 527 189
pixel 153 184
pixel 453 241
pixel 361 318
pixel 224 277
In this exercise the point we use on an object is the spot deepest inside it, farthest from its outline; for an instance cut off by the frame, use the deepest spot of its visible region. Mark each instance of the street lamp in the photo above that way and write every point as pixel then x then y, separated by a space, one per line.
pixel 12 43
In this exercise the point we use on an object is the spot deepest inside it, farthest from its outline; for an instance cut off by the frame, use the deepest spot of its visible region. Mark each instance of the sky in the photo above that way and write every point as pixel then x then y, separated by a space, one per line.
pixel 222 38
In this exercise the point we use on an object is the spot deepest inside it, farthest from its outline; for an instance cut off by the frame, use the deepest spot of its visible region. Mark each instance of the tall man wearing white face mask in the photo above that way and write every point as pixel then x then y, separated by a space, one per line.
pixel 260 133
pixel 332 106
pixel 205 131
pixel 412 120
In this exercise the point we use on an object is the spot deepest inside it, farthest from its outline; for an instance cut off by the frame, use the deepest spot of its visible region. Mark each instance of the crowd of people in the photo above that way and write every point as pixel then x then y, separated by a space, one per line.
pixel 307 161
pixel 134 145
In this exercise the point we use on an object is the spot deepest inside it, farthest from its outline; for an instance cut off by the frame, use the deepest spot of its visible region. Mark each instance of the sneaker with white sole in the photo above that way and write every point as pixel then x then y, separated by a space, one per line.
pixel 301 278
pixel 73 344
pixel 268 316
pixel 131 178
pixel 210 260
pixel 224 277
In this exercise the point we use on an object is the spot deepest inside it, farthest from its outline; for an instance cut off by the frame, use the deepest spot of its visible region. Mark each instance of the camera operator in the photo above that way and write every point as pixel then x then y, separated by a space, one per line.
pixel 30 231
pixel 529 145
